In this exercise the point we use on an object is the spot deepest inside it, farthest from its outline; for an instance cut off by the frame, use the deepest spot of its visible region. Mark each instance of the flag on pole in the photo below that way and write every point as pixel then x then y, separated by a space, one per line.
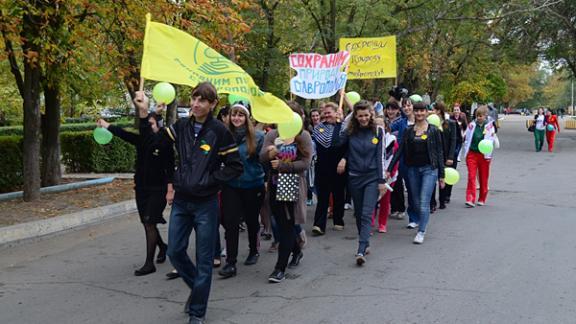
pixel 172 55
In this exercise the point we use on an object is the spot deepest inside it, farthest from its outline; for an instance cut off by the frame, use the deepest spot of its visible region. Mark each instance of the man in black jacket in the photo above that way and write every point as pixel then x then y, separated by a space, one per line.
pixel 208 157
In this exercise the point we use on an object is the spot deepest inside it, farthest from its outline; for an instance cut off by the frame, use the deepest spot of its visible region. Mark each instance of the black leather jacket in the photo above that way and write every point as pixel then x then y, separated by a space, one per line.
pixel 434 144
pixel 205 161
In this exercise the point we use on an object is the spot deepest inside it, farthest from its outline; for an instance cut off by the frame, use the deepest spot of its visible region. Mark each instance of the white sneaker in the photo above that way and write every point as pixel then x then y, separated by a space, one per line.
pixel 412 225
pixel 347 206
pixel 223 253
pixel 400 215
pixel 339 227
pixel 419 238
pixel 394 215
pixel 480 203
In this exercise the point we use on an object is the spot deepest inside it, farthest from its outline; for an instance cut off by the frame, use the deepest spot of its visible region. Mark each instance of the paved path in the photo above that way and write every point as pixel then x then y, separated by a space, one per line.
pixel 511 261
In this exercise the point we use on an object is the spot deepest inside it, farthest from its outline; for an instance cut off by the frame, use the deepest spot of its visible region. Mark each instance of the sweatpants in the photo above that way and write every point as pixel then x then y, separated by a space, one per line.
pixel 550 139
pixel 364 190
pixel 477 165
pixel 239 203
pixel 539 139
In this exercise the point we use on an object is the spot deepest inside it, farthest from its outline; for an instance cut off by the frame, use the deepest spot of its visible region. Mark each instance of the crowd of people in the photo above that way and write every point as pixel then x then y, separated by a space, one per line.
pixel 231 170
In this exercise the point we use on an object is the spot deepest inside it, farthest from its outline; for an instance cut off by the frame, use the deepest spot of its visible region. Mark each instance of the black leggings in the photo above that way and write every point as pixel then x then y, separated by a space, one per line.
pixel 241 204
pixel 284 216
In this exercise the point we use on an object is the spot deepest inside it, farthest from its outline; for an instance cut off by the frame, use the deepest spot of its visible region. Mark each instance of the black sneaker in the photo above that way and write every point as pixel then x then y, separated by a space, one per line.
pixel 145 270
pixel 360 259
pixel 276 276
pixel 442 206
pixel 296 258
pixel 252 258
pixel 228 271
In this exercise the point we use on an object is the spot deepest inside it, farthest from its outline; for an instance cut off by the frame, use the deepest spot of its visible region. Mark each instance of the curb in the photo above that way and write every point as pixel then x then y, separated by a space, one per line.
pixel 19 232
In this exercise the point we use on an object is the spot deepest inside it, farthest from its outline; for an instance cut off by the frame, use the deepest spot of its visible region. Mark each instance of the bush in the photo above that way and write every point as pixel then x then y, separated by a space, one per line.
pixel 11 178
pixel 80 153
pixel 18 130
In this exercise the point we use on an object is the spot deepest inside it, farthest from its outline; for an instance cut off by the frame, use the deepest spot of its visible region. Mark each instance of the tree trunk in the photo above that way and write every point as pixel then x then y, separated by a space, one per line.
pixel 51 171
pixel 31 106
pixel 270 44
pixel 332 32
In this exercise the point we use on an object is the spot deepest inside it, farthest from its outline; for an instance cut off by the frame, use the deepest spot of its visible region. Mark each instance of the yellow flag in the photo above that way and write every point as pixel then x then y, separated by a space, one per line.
pixel 172 55
pixel 371 58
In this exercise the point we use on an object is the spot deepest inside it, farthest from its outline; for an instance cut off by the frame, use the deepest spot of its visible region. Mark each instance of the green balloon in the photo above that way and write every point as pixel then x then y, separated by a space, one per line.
pixel 415 98
pixel 233 98
pixel 102 136
pixel 485 146
pixel 433 119
pixel 290 129
pixel 451 176
pixel 164 92
pixel 353 97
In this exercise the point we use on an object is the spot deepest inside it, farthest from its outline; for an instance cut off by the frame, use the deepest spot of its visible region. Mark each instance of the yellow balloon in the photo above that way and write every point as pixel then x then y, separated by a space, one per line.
pixel 290 129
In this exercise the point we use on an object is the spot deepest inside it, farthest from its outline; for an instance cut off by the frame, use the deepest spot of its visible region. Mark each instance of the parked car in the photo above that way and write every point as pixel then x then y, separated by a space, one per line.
pixel 109 113
pixel 183 112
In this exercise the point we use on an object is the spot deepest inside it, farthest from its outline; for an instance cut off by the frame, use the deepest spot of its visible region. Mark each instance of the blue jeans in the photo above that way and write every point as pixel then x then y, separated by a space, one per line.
pixel 203 218
pixel 410 204
pixel 421 183
pixel 365 196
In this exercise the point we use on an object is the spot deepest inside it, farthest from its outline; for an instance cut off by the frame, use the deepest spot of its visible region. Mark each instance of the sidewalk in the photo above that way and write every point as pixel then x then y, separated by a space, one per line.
pixel 97 175
pixel 14 234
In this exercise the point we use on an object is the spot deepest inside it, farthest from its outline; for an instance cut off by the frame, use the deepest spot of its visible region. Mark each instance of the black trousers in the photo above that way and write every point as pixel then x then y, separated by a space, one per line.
pixel 284 216
pixel 446 193
pixel 397 204
pixel 241 204
pixel 327 184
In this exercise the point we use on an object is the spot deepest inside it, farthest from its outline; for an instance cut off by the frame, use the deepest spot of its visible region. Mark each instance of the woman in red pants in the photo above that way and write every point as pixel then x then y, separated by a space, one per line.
pixel 552 125
pixel 478 164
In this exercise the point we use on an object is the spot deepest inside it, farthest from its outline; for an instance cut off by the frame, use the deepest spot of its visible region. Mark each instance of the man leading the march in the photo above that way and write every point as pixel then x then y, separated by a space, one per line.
pixel 208 157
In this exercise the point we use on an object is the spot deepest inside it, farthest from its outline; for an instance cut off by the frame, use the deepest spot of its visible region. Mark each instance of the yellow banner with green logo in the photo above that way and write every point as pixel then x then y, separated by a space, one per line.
pixel 371 58
pixel 172 55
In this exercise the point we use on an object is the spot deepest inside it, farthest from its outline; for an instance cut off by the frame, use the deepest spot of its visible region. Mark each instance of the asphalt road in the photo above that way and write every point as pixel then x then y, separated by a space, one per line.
pixel 511 261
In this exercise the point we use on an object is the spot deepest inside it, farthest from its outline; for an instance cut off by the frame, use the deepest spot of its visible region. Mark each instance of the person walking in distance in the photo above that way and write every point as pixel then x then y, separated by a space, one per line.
pixel 552 126
pixel 539 129
pixel 208 158
pixel 329 152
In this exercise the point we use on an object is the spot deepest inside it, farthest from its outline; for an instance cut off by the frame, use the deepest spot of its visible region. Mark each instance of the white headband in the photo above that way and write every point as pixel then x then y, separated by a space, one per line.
pixel 243 108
